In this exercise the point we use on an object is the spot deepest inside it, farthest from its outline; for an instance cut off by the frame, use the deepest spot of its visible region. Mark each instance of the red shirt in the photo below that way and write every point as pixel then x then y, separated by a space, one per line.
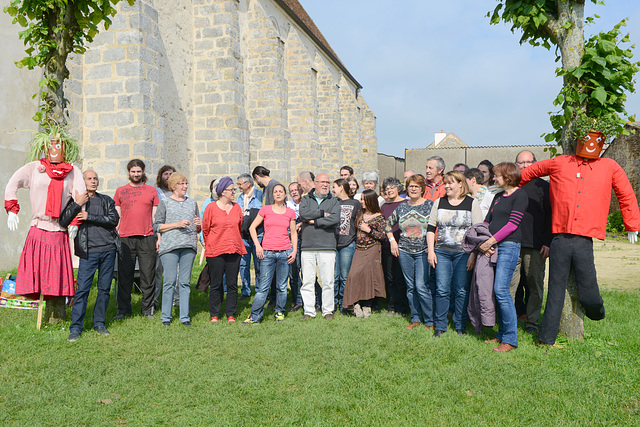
pixel 136 205
pixel 276 228
pixel 580 194
pixel 434 192
pixel 221 231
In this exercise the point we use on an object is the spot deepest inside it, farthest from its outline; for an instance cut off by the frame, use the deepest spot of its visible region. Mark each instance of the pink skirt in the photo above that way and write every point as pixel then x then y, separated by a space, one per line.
pixel 45 265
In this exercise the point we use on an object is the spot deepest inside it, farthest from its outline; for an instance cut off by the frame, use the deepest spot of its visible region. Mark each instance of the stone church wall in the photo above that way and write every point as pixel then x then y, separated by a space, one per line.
pixel 216 87
pixel 212 87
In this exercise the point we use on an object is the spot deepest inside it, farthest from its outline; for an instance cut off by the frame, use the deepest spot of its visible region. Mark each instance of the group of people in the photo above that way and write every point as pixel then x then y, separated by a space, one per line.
pixel 457 244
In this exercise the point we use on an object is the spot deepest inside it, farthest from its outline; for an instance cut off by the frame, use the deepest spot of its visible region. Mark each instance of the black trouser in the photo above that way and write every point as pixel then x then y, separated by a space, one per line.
pixel 228 264
pixel 568 250
pixel 394 282
pixel 144 249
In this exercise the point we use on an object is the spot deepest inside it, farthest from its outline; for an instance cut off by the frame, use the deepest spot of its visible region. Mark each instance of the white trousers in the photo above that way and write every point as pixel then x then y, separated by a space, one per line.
pixel 325 261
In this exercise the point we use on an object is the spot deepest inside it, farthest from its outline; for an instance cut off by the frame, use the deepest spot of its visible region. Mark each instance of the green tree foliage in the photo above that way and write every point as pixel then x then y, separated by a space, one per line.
pixel 53 29
pixel 597 74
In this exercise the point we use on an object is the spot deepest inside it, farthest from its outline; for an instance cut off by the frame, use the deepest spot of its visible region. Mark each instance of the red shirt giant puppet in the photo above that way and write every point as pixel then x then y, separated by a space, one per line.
pixel 45 262
pixel 580 193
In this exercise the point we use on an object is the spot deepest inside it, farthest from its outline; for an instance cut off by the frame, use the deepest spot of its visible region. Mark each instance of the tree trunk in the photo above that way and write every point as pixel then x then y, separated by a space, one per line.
pixel 56 68
pixel 571 44
pixel 572 320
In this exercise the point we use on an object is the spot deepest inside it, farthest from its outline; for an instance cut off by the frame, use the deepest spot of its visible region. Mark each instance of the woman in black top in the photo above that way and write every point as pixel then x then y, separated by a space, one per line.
pixel 504 219
pixel 345 237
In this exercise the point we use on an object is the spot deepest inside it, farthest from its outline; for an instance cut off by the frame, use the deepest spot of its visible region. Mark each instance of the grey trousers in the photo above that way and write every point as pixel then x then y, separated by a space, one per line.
pixel 531 265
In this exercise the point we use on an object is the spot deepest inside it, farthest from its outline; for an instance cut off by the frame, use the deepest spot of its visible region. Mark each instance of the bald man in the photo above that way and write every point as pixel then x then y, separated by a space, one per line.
pixel 96 244
pixel 320 215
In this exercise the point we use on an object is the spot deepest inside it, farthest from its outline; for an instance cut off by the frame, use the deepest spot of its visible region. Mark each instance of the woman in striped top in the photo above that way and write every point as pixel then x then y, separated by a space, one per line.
pixel 504 217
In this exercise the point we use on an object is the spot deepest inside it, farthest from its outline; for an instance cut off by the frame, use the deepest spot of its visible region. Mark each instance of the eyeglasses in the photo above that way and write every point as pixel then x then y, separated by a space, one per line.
pixel 233 190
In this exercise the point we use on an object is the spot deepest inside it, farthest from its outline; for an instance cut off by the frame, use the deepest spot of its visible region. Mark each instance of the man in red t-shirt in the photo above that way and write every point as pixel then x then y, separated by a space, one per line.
pixel 136 204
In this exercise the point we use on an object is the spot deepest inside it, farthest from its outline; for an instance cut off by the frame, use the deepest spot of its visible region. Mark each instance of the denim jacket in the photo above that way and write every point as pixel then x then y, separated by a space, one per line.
pixel 254 202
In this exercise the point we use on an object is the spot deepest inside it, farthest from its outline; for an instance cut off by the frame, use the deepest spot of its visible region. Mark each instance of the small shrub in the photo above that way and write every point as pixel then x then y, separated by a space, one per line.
pixel 614 222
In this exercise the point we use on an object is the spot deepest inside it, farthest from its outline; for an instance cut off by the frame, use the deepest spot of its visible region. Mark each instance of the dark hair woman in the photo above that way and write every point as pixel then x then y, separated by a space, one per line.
pixel 366 280
pixel 345 237
pixel 276 251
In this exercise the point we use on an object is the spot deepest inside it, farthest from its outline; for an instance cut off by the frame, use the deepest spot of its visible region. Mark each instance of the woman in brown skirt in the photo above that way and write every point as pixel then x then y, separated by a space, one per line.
pixel 366 279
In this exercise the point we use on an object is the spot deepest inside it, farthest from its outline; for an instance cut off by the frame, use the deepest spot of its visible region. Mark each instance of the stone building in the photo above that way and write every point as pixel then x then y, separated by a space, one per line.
pixel 217 87
pixel 213 87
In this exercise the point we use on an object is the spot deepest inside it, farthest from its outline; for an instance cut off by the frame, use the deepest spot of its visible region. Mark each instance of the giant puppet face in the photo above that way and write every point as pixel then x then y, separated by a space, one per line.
pixel 591 146
pixel 56 152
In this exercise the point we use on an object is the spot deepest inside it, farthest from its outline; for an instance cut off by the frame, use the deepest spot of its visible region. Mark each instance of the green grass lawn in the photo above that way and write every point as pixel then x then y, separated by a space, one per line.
pixel 317 372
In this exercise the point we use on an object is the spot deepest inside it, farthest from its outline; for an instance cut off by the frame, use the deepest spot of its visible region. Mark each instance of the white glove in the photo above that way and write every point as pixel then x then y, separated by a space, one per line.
pixel 73 231
pixel 13 221
pixel 633 237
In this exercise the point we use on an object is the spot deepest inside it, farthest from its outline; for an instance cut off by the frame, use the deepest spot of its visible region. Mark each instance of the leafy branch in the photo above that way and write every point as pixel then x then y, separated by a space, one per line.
pixel 596 89
pixel 53 29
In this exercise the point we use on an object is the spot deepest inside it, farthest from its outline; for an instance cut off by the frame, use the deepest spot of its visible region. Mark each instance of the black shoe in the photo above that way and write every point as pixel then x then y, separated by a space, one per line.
pixel 318 308
pixel 73 336
pixel 187 323
pixel 296 307
pixel 438 333
pixel 461 332
pixel 530 330
pixel 102 330
pixel 344 311
pixel 167 324
pixel 244 297
pixel 121 316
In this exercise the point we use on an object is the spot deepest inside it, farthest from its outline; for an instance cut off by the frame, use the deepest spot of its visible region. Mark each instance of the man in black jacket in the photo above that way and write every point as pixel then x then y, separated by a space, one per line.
pixel 96 245
pixel 536 239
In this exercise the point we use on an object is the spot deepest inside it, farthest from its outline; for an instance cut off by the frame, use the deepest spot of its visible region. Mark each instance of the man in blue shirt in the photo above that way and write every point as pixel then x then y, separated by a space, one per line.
pixel 250 198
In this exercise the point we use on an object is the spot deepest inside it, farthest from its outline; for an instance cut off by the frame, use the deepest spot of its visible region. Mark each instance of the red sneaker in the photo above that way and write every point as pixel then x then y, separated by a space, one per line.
pixel 214 319
pixel 231 319
pixel 412 325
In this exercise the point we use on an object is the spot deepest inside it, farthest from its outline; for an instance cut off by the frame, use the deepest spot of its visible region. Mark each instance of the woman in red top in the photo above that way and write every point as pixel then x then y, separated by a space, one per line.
pixel 221 225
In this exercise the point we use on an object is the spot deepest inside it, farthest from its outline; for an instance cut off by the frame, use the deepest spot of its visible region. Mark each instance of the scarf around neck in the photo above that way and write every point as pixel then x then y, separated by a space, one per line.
pixel 57 172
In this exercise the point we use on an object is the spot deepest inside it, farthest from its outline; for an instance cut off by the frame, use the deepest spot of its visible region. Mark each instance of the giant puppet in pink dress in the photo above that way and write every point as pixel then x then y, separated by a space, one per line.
pixel 45 266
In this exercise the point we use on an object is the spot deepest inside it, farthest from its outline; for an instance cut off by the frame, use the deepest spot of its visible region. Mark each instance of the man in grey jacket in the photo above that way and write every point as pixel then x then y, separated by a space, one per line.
pixel 320 215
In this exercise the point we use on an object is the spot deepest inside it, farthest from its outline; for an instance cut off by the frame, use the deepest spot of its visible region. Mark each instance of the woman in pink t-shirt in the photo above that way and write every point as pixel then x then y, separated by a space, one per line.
pixel 277 251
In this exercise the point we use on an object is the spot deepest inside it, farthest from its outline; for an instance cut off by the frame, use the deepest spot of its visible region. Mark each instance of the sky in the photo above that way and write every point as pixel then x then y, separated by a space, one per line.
pixel 428 65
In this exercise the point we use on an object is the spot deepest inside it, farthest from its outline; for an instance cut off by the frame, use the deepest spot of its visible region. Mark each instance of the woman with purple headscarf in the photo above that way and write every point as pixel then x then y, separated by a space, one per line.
pixel 223 247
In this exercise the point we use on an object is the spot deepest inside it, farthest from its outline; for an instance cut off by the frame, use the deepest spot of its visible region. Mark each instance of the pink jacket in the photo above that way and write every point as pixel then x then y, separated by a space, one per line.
pixel 29 176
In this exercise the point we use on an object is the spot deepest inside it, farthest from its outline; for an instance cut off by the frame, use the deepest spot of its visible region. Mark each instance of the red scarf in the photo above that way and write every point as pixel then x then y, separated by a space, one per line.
pixel 57 172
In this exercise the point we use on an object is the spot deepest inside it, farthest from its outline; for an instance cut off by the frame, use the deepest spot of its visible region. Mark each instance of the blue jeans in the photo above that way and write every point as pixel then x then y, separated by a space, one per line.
pixel 344 257
pixel 415 270
pixel 103 262
pixel 273 262
pixel 508 253
pixel 452 280
pixel 177 266
pixel 245 266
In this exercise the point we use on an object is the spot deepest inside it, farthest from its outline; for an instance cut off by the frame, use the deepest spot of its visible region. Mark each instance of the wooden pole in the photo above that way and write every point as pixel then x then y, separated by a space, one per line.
pixel 40 304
